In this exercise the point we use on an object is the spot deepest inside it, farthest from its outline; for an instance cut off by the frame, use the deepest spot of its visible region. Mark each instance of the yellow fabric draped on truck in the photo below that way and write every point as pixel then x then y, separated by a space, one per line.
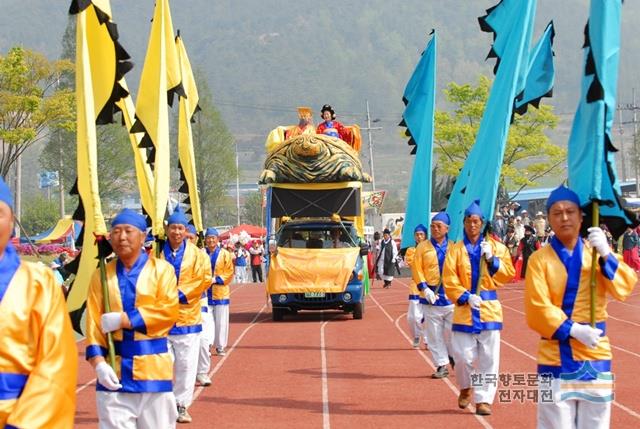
pixel 311 270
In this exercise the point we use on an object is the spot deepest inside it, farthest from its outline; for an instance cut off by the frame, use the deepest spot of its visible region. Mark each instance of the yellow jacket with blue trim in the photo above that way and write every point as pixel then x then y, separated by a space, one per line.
pixel 194 277
pixel 222 264
pixel 409 259
pixel 461 278
pixel 557 295
pixel 149 296
pixel 427 270
pixel 38 354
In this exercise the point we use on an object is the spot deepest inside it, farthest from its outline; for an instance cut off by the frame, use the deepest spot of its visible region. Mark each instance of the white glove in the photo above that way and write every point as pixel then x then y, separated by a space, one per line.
pixel 475 301
pixel 598 241
pixel 107 376
pixel 430 296
pixel 485 249
pixel 110 322
pixel 586 334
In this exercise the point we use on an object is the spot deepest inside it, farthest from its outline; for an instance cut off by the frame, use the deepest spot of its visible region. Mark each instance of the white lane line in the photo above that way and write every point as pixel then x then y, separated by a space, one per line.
pixel 253 323
pixel 326 422
pixel 624 321
pixel 616 403
pixel 480 419
pixel 625 350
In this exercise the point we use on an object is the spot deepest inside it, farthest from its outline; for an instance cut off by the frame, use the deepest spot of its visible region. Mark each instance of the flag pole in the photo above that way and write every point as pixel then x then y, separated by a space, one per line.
pixel 107 308
pixel 594 260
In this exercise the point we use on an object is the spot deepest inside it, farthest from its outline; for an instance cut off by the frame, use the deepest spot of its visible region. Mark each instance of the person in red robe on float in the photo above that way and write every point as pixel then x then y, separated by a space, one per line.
pixel 331 127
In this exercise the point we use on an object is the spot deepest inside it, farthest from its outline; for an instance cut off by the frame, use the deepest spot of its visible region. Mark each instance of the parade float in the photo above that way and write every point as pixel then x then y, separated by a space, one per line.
pixel 316 223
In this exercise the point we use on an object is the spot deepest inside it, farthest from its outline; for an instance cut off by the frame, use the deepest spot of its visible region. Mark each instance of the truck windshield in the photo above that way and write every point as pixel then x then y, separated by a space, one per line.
pixel 318 237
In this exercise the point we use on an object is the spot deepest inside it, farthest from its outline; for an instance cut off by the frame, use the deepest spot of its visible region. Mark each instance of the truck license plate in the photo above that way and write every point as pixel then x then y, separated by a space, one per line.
pixel 314 295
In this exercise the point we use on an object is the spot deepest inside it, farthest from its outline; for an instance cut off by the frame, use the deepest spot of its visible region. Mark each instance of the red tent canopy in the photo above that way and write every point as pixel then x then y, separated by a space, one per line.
pixel 252 230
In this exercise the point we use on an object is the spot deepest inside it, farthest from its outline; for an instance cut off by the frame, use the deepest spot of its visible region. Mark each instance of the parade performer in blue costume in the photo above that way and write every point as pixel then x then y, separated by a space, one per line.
pixel 474 268
pixel 415 315
pixel 437 309
pixel 38 355
pixel 144 306
pixel 557 307
pixel 194 277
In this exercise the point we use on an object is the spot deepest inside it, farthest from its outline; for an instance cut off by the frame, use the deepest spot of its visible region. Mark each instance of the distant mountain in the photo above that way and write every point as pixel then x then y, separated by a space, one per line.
pixel 265 57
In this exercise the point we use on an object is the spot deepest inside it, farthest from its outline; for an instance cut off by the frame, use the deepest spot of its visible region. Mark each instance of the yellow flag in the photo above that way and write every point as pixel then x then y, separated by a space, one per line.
pixel 160 77
pixel 144 175
pixel 98 62
pixel 188 107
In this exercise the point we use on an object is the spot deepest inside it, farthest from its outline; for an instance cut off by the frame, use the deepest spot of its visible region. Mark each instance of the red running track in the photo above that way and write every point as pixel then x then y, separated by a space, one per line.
pixel 326 370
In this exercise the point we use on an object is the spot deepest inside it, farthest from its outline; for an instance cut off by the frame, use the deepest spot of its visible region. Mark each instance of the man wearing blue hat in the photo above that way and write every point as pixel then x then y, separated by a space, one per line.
pixel 218 294
pixel 558 308
pixel 38 357
pixel 415 315
pixel 473 269
pixel 194 277
pixel 437 309
pixel 144 305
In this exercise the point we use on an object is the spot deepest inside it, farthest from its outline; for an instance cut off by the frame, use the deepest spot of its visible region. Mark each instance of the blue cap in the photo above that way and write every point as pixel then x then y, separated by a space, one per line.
pixel 130 217
pixel 211 232
pixel 5 194
pixel 474 209
pixel 562 193
pixel 178 217
pixel 420 228
pixel 192 229
pixel 442 217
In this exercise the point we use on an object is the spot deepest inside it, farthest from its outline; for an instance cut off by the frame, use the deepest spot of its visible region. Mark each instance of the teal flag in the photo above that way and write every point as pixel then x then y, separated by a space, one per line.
pixel 591 160
pixel 420 99
pixel 523 76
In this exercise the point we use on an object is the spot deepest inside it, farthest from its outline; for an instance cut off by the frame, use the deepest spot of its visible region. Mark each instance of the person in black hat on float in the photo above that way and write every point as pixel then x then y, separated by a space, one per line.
pixel 331 127
pixel 386 258
pixel 528 245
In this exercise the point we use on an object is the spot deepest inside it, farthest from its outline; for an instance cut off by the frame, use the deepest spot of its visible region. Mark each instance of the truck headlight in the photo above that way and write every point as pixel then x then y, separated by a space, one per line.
pixel 282 298
pixel 347 296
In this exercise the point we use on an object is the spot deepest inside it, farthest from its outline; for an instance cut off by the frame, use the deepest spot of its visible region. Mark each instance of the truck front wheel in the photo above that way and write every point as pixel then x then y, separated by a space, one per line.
pixel 358 310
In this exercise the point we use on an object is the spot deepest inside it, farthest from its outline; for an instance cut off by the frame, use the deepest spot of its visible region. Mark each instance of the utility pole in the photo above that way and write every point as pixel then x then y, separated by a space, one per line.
pixel 18 201
pixel 237 184
pixel 633 107
pixel 369 129
pixel 60 181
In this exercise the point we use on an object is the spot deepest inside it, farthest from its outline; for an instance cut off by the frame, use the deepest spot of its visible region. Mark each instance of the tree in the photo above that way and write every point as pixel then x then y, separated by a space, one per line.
pixel 39 214
pixel 252 209
pixel 213 146
pixel 31 105
pixel 529 153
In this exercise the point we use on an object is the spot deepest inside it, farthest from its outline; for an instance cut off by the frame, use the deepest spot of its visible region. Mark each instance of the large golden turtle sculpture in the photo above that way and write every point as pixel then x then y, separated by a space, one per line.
pixel 313 158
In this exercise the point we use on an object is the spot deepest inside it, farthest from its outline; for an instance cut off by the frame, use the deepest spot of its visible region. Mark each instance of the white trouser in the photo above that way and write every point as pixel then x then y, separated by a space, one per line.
pixel 483 348
pixel 414 319
pixel 206 340
pixel 221 325
pixel 117 410
pixel 184 349
pixel 241 274
pixel 437 320
pixel 574 413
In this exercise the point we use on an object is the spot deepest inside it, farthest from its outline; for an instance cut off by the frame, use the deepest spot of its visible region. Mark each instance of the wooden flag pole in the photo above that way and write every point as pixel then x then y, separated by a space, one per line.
pixel 107 309
pixel 594 260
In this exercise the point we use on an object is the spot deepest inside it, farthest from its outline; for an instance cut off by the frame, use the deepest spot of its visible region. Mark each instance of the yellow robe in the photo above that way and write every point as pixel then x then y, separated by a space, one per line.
pixel 143 361
pixel 222 264
pixel 426 271
pixel 193 280
pixel 554 300
pixel 460 278
pixel 38 354
pixel 409 259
